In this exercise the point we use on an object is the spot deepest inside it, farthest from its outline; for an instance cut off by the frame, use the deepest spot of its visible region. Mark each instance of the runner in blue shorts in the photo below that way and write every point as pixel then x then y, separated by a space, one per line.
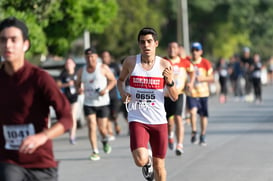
pixel 197 99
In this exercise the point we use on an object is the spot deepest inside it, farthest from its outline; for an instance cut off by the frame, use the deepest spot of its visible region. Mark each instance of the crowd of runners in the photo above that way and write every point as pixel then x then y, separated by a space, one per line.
pixel 157 96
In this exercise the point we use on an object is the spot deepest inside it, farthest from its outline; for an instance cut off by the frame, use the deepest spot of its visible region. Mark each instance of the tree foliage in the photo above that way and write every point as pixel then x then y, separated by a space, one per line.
pixel 76 17
pixel 120 37
pixel 55 24
pixel 223 26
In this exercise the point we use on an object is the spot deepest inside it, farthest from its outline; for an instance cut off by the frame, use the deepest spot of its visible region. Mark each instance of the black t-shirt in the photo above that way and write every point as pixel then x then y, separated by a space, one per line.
pixel 248 60
pixel 70 92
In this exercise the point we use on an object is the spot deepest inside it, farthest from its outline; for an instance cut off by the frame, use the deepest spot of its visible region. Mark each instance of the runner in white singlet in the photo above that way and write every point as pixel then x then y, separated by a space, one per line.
pixel 145 104
pixel 95 80
pixel 146 89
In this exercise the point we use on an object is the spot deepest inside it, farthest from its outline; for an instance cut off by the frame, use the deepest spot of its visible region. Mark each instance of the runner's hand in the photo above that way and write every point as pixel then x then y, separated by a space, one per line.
pixel 126 97
pixel 31 143
pixel 168 74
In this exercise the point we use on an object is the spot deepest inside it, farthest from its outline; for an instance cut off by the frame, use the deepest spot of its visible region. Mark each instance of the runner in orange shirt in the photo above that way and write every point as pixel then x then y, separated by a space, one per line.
pixel 182 68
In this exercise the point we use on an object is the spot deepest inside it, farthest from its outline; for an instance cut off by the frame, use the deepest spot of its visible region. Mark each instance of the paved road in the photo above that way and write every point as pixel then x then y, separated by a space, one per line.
pixel 240 148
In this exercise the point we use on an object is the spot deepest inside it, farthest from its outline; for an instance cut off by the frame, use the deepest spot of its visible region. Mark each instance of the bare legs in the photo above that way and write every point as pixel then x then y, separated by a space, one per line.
pixel 203 123
pixel 72 133
pixel 141 158
pixel 92 129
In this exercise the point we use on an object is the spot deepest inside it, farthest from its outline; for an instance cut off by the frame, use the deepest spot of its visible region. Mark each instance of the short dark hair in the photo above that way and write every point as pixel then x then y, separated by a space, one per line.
pixel 147 31
pixel 14 22
pixel 90 51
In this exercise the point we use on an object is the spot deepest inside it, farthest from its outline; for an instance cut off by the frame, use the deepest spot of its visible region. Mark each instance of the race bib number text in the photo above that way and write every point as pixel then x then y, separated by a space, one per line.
pixel 14 135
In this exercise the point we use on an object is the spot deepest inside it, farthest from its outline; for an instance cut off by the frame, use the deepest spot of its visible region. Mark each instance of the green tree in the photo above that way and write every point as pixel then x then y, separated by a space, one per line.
pixel 227 43
pixel 55 24
pixel 74 18
pixel 225 26
pixel 260 27
pixel 170 8
pixel 120 37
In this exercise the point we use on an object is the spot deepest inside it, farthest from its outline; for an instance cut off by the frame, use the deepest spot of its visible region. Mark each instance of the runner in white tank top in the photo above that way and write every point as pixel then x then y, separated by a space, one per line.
pixel 95 80
pixel 147 99
pixel 93 83
pixel 147 120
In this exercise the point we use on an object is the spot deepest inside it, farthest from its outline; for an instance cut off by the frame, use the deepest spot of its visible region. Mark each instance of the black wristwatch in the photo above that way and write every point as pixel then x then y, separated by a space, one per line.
pixel 171 84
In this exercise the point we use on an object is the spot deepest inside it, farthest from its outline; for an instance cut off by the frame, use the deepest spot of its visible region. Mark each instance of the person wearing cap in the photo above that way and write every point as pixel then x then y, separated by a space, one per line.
pixel 197 97
pixel 95 80
pixel 26 151
pixel 148 76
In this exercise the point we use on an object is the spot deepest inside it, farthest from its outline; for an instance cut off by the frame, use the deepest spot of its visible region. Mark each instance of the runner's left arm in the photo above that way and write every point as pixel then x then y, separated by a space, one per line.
pixel 111 80
pixel 169 83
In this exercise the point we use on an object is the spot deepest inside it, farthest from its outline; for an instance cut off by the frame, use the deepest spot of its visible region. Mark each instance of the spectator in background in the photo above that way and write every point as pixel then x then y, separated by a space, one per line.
pixel 66 82
pixel 26 151
pixel 115 101
pixel 270 70
pixel 222 69
pixel 247 61
pixel 256 69
pixel 230 73
pixel 236 75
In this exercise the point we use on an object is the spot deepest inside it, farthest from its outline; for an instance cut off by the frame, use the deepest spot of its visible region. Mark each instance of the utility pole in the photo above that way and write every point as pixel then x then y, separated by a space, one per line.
pixel 179 23
pixel 86 39
pixel 185 25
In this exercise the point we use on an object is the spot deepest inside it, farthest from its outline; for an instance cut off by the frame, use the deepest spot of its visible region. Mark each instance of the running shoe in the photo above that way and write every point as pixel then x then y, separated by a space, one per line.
pixel 117 129
pixel 179 150
pixel 148 171
pixel 202 141
pixel 111 138
pixel 94 157
pixel 186 120
pixel 72 141
pixel 107 148
pixel 171 143
pixel 193 138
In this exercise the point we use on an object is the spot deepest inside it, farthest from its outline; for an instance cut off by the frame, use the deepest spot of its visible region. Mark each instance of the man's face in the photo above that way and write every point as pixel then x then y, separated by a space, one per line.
pixel 181 51
pixel 196 53
pixel 147 45
pixel 246 54
pixel 173 49
pixel 106 57
pixel 91 59
pixel 12 44
pixel 70 64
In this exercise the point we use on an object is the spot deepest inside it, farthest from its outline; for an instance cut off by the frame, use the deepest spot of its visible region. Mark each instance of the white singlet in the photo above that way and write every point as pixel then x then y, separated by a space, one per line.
pixel 146 88
pixel 93 83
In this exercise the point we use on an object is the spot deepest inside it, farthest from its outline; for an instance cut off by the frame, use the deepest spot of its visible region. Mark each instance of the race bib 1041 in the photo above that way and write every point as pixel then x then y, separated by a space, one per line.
pixel 14 135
